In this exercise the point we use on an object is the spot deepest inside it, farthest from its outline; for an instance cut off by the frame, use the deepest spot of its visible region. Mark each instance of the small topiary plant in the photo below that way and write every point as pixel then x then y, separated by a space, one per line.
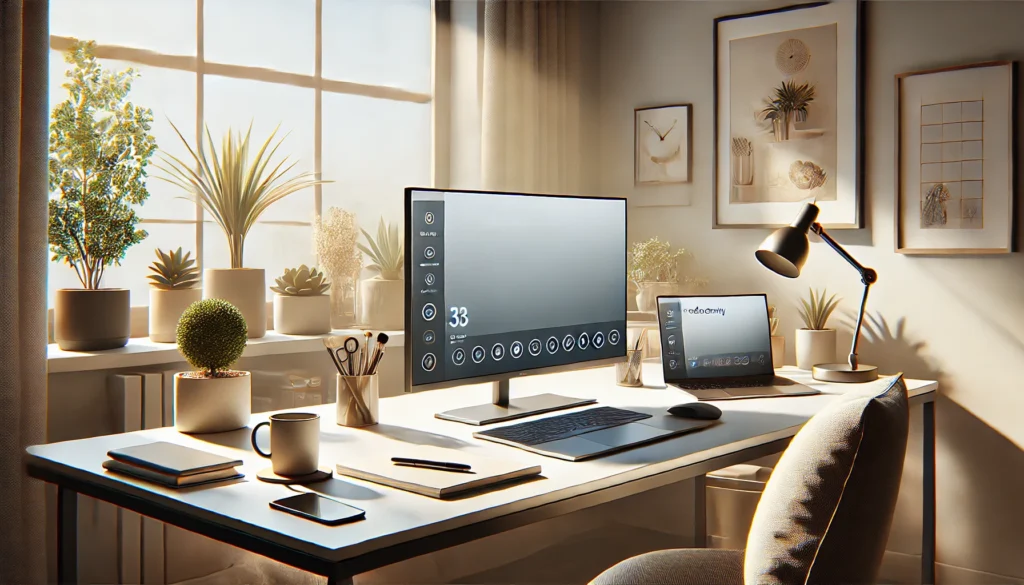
pixel 211 336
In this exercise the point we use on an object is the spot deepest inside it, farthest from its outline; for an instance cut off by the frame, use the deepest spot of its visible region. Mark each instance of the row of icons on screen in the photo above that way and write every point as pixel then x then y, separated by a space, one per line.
pixel 568 343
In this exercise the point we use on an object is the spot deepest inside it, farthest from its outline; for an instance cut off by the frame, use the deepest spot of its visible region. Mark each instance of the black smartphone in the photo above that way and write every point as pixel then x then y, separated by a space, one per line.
pixel 318 509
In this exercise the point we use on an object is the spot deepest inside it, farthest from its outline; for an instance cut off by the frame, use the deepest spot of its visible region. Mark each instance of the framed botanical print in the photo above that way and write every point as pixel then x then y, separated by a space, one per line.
pixel 788 115
pixel 661 144
pixel 955 143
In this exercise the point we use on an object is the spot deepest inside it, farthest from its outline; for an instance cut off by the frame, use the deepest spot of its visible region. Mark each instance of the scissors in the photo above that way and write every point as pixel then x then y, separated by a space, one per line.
pixel 346 354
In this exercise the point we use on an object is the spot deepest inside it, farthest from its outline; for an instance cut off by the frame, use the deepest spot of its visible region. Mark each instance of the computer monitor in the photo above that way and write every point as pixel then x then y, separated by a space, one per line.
pixel 502 285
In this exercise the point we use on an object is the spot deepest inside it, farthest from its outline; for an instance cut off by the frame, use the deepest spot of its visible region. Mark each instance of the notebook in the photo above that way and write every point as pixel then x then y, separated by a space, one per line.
pixel 169 480
pixel 172 459
pixel 486 471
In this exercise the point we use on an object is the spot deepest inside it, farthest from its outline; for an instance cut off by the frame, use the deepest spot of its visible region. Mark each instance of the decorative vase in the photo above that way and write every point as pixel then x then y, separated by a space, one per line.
pixel 302 315
pixel 358 403
pixel 212 405
pixel 165 308
pixel 815 347
pixel 743 171
pixel 92 320
pixel 246 289
pixel 778 351
pixel 382 303
pixel 343 303
pixel 780 126
pixel 648 293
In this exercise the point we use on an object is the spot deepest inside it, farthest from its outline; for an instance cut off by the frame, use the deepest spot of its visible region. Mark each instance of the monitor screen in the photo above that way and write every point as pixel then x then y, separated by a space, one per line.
pixel 506 283
pixel 715 337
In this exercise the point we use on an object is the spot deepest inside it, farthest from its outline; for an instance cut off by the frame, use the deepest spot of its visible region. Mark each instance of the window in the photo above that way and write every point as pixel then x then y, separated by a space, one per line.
pixel 349 81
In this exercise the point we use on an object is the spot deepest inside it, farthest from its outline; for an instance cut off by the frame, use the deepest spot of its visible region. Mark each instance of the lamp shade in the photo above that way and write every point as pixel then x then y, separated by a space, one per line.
pixel 785 250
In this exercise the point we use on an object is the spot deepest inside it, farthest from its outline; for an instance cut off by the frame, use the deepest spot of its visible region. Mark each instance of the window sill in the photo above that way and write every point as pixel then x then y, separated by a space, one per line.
pixel 140 351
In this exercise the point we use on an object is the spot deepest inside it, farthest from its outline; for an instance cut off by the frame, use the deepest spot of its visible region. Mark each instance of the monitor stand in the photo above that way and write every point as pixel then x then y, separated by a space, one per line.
pixel 504 409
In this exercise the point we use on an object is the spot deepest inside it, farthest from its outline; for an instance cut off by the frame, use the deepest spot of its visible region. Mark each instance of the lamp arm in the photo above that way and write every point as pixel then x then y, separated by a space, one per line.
pixel 867 276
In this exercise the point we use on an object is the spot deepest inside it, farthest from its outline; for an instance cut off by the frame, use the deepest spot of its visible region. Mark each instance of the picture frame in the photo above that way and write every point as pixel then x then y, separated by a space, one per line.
pixel 662 144
pixel 788 115
pixel 955 159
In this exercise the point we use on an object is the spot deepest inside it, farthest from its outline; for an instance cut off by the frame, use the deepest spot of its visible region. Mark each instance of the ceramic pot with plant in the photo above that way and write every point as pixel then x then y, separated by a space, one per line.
pixel 172 290
pixel 815 343
pixel 213 398
pixel 787 106
pixel 654 270
pixel 235 191
pixel 778 341
pixel 382 298
pixel 100 146
pixel 301 303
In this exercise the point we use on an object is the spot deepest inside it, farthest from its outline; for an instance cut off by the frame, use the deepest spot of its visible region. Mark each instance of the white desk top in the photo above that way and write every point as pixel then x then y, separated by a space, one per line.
pixel 394 516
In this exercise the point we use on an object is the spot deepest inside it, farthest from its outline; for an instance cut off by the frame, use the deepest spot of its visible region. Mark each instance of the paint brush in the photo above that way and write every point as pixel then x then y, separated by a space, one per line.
pixel 330 352
pixel 378 352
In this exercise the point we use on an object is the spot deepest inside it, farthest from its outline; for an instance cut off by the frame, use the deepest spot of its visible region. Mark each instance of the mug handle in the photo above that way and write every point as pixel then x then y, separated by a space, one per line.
pixel 253 439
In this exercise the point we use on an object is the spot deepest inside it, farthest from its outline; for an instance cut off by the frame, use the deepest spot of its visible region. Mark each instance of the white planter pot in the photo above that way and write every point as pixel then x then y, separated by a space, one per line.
pixel 648 292
pixel 297 315
pixel 815 347
pixel 212 405
pixel 778 351
pixel 382 303
pixel 165 309
pixel 246 289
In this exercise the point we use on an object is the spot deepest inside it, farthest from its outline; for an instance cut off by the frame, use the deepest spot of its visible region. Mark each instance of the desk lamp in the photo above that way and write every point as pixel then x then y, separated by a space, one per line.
pixel 784 253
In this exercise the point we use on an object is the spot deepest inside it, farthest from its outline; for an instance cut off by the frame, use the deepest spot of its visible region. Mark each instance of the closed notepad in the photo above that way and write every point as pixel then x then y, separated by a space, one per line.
pixel 169 480
pixel 173 459
pixel 486 471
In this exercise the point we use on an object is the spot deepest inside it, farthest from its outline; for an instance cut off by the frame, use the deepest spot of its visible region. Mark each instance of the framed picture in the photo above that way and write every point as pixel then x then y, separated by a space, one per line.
pixel 955 141
pixel 662 144
pixel 788 115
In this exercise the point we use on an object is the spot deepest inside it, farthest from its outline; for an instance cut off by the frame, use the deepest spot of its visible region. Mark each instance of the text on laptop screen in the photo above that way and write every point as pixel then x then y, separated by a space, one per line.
pixel 715 337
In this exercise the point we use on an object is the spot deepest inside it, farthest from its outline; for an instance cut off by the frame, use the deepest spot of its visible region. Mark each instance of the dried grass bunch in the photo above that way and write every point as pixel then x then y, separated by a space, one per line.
pixel 336 235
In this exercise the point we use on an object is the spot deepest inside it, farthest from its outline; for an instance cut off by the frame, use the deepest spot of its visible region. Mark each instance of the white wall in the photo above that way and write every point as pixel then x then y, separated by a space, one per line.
pixel 957 319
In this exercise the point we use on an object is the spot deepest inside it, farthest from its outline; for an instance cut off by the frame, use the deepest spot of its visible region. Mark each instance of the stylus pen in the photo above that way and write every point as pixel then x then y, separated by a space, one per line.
pixel 428 463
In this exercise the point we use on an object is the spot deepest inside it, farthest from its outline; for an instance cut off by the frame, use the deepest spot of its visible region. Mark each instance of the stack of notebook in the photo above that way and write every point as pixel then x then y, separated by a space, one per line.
pixel 172 465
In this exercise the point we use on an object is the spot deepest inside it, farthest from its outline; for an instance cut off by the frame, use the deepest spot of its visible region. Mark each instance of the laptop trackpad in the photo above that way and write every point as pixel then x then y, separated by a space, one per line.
pixel 628 434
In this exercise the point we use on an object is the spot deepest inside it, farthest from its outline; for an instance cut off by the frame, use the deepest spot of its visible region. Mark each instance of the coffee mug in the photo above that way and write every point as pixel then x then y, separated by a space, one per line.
pixel 294 443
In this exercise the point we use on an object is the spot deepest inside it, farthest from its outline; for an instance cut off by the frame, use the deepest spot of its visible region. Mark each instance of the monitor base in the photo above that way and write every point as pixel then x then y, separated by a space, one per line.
pixel 485 414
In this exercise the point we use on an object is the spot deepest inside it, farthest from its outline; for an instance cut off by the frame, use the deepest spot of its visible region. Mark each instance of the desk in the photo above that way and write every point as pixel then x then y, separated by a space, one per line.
pixel 401 525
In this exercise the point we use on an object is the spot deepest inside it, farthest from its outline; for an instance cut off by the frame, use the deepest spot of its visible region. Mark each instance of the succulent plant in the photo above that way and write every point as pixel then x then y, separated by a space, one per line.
pixel 301 282
pixel 816 312
pixel 211 336
pixel 386 252
pixel 173 271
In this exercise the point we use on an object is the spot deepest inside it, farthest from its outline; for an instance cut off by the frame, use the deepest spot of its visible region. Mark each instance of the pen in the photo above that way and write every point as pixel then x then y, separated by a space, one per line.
pixel 428 463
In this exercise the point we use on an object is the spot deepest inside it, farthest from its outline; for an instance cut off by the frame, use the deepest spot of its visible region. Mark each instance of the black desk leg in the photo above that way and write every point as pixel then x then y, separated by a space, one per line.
pixel 67 536
pixel 700 512
pixel 928 484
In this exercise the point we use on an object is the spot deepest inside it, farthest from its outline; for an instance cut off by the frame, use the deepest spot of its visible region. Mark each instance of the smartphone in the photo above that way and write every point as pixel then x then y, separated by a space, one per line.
pixel 319 509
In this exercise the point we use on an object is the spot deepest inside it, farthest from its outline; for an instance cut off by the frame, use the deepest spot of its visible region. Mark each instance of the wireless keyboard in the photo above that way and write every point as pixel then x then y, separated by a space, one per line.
pixel 564 426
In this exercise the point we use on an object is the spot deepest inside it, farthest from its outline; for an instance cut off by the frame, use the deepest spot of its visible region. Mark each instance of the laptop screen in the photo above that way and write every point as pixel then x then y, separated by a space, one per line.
pixel 714 336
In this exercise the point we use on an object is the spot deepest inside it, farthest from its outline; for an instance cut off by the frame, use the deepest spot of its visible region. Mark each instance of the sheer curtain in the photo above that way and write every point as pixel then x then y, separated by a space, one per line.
pixel 23 196
pixel 531 96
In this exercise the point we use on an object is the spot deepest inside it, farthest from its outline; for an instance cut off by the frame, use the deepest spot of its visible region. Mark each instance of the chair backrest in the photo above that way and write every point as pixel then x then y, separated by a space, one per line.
pixel 825 513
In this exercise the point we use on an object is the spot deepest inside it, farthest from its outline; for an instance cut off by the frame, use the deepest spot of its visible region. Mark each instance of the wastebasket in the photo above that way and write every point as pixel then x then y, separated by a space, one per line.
pixel 732 496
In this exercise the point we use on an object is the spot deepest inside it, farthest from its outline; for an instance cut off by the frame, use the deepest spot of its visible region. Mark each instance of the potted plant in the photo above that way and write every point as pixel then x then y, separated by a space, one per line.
pixel 172 290
pixel 99 149
pixel 778 341
pixel 336 236
pixel 815 343
pixel 654 270
pixel 787 106
pixel 382 298
pixel 235 192
pixel 211 337
pixel 301 306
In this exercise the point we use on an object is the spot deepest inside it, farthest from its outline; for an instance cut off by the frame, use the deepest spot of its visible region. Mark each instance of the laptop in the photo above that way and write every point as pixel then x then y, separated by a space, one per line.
pixel 720 348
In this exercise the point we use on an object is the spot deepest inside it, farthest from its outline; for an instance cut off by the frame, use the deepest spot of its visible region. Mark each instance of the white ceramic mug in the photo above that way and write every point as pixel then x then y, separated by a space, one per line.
pixel 294 443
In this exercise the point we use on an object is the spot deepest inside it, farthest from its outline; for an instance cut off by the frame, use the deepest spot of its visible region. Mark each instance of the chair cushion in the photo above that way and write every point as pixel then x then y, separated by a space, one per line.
pixel 677 567
pixel 825 513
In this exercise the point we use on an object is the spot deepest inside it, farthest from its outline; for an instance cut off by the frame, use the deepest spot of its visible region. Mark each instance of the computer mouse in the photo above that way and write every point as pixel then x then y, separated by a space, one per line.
pixel 697 410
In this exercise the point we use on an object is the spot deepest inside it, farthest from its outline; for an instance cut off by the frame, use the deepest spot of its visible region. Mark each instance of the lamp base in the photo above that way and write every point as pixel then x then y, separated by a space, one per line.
pixel 843 374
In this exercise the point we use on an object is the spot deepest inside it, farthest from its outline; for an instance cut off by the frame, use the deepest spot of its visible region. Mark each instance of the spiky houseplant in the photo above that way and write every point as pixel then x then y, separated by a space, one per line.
pixel 211 337
pixel 173 288
pixel 815 343
pixel 382 300
pixel 300 305
pixel 789 102
pixel 815 310
pixel 100 146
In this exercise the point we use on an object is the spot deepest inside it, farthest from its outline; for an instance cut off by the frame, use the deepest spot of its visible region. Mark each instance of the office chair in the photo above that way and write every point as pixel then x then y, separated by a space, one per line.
pixel 825 512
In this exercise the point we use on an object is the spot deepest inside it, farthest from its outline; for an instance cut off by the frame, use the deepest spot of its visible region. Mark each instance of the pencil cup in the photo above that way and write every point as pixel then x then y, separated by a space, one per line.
pixel 631 372
pixel 358 399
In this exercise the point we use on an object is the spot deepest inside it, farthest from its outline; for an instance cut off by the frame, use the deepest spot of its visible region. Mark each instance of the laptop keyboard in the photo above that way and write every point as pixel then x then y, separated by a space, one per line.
pixel 564 426
pixel 727 384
